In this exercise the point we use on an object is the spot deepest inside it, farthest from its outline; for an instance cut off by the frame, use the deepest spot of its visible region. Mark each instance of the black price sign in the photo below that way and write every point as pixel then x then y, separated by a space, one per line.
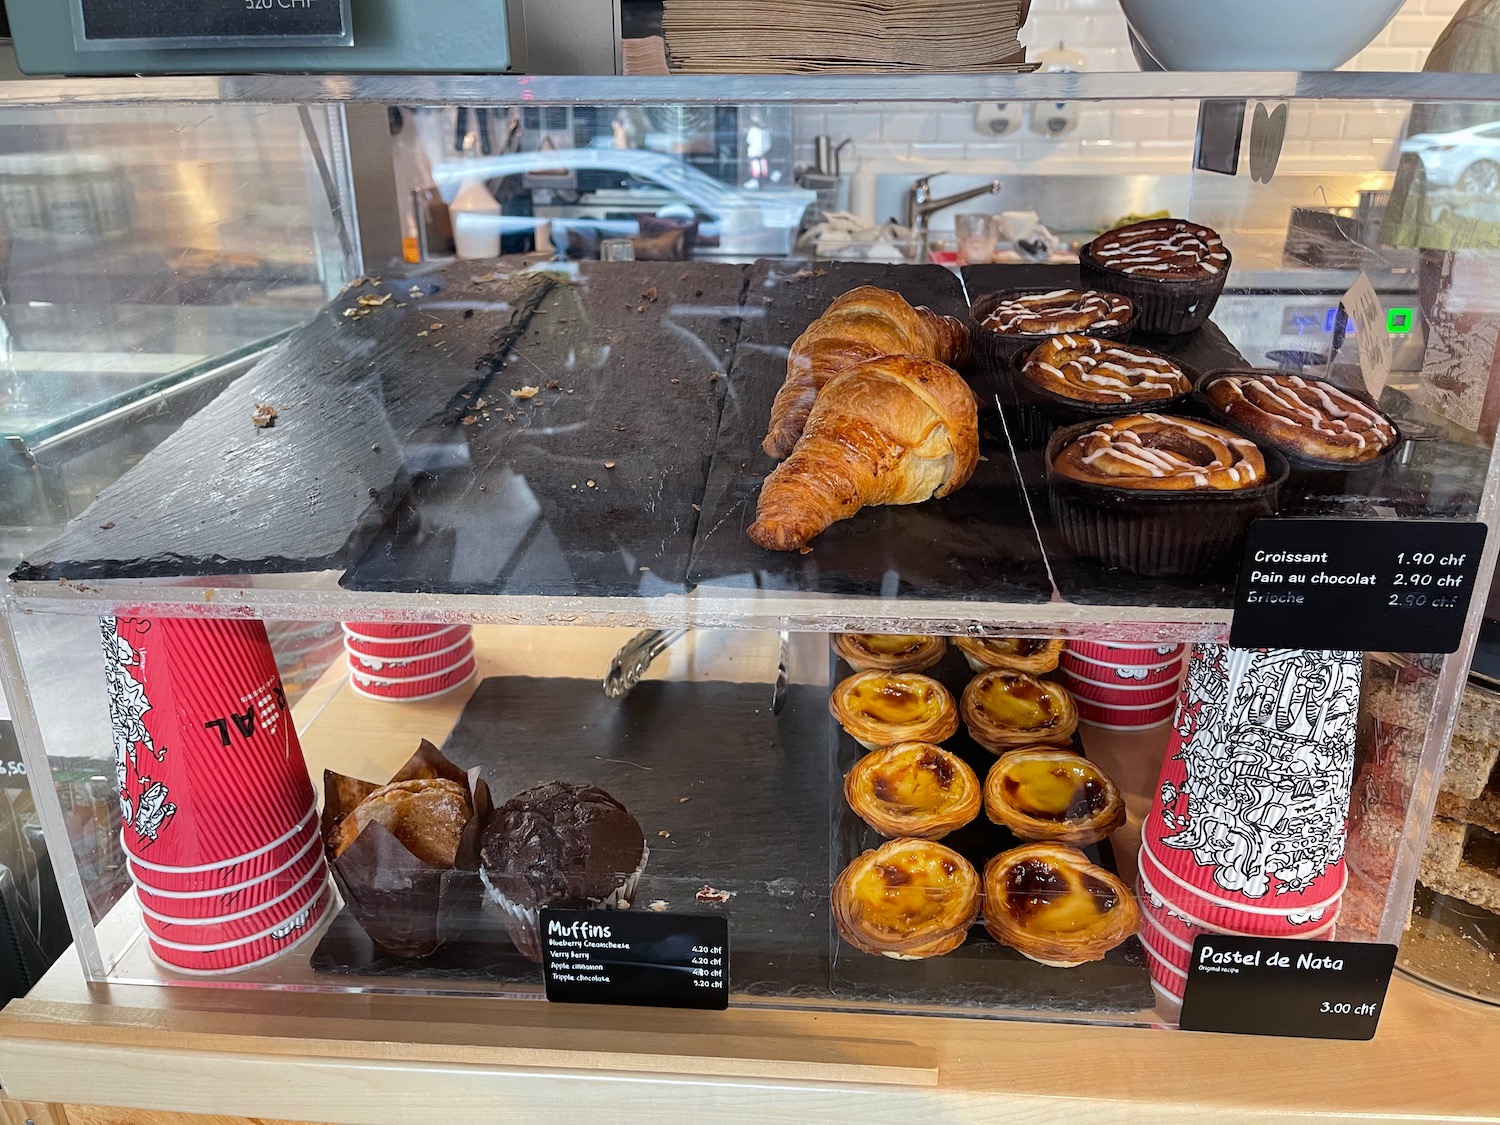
pixel 636 957
pixel 12 769
pixel 1283 986
pixel 157 24
pixel 1370 585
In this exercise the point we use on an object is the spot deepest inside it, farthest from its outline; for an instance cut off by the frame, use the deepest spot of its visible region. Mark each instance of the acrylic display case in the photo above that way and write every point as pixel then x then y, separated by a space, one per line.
pixel 565 456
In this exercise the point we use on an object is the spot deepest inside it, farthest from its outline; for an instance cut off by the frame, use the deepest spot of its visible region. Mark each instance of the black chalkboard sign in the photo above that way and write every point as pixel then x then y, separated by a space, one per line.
pixel 1283 986
pixel 636 957
pixel 1370 585
pixel 211 23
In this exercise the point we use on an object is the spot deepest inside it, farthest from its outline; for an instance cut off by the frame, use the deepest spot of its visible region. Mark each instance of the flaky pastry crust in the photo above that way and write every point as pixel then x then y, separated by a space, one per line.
pixel 1005 709
pixel 889 652
pixel 907 899
pixel 913 789
pixel 884 708
pixel 1032 655
pixel 1042 793
pixel 1049 903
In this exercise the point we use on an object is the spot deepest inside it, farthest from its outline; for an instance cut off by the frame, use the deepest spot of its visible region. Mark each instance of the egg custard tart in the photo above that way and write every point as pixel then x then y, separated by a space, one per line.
pixel 1004 710
pixel 1048 902
pixel 1044 794
pixel 884 708
pixel 889 652
pixel 907 899
pixel 1032 655
pixel 913 789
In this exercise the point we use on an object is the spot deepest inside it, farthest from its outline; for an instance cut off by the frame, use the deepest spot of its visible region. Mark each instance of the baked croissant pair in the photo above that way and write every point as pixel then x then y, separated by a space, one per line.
pixel 870 413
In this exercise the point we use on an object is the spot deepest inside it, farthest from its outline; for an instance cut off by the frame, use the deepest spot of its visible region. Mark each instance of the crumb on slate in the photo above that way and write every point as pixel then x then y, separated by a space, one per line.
pixel 659 905
pixel 609 464
pixel 712 894
pixel 525 392
pixel 264 416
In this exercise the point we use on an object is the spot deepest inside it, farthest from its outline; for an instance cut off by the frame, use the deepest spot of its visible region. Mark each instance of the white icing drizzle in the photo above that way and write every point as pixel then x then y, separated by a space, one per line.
pixel 1122 373
pixel 1320 407
pixel 1121 449
pixel 1045 313
pixel 1164 246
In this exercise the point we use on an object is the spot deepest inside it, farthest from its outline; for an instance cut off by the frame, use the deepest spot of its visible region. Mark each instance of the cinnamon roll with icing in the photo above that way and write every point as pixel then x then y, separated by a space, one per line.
pixel 1305 417
pixel 1163 248
pixel 1088 369
pixel 1158 453
pixel 1062 310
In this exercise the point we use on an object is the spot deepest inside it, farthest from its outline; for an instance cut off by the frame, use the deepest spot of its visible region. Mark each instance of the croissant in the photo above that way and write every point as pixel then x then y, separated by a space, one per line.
pixel 895 430
pixel 863 324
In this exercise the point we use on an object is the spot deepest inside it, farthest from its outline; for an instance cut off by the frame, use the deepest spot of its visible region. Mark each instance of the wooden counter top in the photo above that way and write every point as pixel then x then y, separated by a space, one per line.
pixel 370 1058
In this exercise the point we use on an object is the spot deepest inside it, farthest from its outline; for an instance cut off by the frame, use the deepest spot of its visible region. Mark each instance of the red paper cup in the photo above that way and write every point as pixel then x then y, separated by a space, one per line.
pixel 413 667
pixel 405 649
pixel 1167 1001
pixel 1121 695
pixel 1135 655
pixel 207 757
pixel 287 855
pixel 235 956
pixel 219 902
pixel 410 691
pixel 255 924
pixel 1131 675
pixel 1278 920
pixel 1125 718
pixel 1161 946
pixel 1172 979
pixel 378 631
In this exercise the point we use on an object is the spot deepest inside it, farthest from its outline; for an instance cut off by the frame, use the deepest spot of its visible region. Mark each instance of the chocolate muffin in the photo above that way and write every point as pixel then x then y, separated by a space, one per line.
pixel 559 845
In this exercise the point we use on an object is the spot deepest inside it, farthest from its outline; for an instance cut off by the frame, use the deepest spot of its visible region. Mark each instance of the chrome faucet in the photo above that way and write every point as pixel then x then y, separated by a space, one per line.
pixel 920 204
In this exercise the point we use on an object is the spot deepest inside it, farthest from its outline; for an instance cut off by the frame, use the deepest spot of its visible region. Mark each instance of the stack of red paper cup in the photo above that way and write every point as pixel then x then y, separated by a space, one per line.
pixel 1247 827
pixel 219 820
pixel 1123 686
pixel 407 662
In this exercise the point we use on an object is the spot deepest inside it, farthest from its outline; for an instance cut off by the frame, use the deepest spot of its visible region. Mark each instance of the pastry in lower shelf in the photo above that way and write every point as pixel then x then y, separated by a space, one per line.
pixel 1041 793
pixel 1004 710
pixel 913 789
pixel 907 899
pixel 1154 452
pixel 427 815
pixel 862 325
pixel 559 845
pixel 405 855
pixel 1048 902
pixel 1308 418
pixel 889 652
pixel 1032 655
pixel 884 708
pixel 895 430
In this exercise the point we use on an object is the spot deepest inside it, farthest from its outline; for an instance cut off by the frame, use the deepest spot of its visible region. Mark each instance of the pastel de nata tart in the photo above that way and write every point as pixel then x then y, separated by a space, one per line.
pixel 884 708
pixel 1032 655
pixel 1041 793
pixel 889 652
pixel 907 899
pixel 913 789
pixel 1005 709
pixel 1049 903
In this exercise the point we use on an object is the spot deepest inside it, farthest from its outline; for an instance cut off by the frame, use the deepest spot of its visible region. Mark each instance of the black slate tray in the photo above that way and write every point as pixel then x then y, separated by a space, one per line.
pixel 975 545
pixel 981 972
pixel 755 822
pixel 630 363
pixel 363 401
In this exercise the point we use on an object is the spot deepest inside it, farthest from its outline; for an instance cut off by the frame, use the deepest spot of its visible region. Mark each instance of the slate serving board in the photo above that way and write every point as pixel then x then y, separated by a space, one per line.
pixel 977 544
pixel 590 486
pixel 362 399
pixel 755 821
pixel 981 972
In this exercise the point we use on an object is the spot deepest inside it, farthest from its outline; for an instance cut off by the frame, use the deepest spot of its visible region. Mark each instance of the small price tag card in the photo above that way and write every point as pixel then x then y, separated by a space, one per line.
pixel 1367 585
pixel 636 957
pixel 1283 986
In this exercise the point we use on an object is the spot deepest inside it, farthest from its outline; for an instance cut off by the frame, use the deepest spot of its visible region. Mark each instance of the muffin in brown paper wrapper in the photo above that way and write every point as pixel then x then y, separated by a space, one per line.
pixel 407 906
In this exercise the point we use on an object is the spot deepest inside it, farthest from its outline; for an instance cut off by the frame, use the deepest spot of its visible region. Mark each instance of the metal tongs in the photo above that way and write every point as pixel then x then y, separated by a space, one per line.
pixel 636 655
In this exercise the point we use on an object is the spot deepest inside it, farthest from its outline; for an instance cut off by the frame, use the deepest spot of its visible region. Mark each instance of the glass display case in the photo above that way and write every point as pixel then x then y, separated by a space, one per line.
pixel 607 651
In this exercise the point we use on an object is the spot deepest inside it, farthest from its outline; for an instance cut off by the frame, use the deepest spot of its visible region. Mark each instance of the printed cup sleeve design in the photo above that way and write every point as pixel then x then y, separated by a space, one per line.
pixel 1266 793
pixel 155 810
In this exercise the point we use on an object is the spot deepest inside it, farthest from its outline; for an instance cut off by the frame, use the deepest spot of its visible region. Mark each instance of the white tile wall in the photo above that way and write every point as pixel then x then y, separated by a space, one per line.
pixel 946 138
